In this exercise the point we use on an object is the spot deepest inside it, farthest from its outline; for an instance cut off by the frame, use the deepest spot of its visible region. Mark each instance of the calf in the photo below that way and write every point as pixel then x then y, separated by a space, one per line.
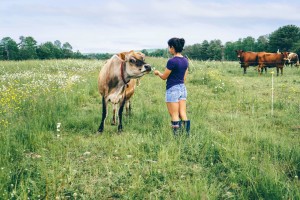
pixel 114 78
pixel 272 60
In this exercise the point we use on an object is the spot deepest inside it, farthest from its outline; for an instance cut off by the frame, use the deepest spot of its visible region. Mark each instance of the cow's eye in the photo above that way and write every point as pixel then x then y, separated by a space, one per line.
pixel 132 60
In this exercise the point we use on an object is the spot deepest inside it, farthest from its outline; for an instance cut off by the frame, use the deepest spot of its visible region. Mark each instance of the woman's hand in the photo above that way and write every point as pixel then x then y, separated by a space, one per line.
pixel 156 72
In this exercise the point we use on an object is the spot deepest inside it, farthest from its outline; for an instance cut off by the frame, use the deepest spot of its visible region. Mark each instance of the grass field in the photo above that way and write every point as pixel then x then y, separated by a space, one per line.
pixel 50 112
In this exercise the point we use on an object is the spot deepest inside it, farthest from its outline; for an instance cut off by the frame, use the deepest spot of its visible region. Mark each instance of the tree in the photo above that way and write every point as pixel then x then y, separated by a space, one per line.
pixel 296 48
pixel 229 51
pixel 57 43
pixel 78 55
pixel 67 50
pixel 159 53
pixel 248 44
pixel 46 51
pixel 8 49
pixel 284 38
pixel 204 50
pixel 215 50
pixel 144 51
pixel 262 43
pixel 28 47
pixel 238 44
pixel 193 51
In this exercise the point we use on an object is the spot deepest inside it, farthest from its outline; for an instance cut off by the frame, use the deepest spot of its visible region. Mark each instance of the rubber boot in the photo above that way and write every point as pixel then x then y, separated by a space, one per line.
pixel 176 126
pixel 187 126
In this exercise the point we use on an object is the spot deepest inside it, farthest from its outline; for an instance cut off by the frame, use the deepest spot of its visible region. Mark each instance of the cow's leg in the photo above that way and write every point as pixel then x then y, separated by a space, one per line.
pixel 120 127
pixel 128 107
pixel 266 69
pixel 245 69
pixel 104 112
pixel 114 121
pixel 259 68
pixel 277 69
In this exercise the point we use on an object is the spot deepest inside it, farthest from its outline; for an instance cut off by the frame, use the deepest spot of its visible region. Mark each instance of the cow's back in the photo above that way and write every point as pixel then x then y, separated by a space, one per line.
pixel 108 75
pixel 293 57
pixel 249 58
pixel 270 59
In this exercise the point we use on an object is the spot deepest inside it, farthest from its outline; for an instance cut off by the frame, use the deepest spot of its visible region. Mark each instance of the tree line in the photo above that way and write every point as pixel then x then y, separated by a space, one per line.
pixel 28 49
pixel 286 38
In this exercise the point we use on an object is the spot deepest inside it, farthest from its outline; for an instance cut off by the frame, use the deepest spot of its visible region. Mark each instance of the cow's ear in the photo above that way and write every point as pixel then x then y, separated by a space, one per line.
pixel 122 56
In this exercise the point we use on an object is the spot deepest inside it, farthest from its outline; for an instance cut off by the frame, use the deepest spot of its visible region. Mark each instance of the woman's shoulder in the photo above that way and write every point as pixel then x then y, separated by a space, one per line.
pixel 176 58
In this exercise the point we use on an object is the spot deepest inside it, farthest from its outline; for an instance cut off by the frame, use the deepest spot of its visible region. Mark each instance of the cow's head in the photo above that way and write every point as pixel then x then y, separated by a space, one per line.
pixel 239 53
pixel 135 64
pixel 285 55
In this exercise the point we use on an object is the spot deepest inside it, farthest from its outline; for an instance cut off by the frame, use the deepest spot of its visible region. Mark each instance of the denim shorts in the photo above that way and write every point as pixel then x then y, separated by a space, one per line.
pixel 176 93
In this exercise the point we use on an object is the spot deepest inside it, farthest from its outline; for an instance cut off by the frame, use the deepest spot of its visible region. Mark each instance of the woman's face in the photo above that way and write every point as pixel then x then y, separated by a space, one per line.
pixel 172 50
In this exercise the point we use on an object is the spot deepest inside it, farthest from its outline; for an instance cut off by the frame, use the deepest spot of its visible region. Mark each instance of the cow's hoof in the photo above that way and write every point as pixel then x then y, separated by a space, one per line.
pixel 99 133
pixel 120 128
pixel 113 123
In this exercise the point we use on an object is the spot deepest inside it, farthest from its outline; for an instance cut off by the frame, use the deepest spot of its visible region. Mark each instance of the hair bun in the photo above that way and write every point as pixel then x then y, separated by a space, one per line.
pixel 182 41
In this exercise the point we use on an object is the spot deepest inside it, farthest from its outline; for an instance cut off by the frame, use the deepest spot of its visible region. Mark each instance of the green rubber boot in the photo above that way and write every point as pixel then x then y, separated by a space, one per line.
pixel 187 126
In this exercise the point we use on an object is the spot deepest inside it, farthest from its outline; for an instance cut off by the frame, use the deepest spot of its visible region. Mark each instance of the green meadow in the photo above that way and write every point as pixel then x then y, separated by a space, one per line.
pixel 241 145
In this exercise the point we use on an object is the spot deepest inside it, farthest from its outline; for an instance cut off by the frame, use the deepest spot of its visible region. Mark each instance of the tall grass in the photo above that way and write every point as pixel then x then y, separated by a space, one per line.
pixel 237 149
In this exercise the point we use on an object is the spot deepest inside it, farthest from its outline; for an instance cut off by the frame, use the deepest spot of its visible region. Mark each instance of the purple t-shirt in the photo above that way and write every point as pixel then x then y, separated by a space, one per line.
pixel 178 66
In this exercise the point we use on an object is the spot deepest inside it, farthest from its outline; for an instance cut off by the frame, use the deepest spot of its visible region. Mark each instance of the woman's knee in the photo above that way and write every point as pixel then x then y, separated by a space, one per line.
pixel 183 116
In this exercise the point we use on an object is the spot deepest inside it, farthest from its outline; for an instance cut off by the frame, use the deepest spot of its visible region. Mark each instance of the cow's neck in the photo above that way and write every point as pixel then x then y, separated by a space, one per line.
pixel 122 68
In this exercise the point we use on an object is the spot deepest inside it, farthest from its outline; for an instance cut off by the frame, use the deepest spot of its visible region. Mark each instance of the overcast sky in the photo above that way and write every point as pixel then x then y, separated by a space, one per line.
pixel 112 26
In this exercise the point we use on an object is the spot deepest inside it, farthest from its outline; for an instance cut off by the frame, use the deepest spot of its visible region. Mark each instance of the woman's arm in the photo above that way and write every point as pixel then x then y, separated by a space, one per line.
pixel 163 76
pixel 186 73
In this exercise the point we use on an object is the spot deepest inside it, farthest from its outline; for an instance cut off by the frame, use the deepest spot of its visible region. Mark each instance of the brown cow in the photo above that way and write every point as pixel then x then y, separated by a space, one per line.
pixel 247 58
pixel 114 77
pixel 272 60
pixel 293 59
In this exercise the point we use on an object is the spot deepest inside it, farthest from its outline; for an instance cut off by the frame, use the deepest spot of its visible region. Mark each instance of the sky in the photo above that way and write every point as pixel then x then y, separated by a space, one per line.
pixel 112 26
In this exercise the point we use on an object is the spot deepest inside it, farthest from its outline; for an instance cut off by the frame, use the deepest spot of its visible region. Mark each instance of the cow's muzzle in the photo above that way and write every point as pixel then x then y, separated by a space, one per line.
pixel 147 67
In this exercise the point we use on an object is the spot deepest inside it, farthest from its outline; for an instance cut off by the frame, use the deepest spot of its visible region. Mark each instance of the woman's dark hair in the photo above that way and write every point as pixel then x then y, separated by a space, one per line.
pixel 177 43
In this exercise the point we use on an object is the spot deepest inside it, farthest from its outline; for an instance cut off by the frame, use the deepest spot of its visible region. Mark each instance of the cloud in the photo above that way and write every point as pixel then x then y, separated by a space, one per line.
pixel 120 25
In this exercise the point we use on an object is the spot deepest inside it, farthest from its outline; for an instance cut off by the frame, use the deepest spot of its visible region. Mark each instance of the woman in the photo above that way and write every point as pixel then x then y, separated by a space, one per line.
pixel 176 93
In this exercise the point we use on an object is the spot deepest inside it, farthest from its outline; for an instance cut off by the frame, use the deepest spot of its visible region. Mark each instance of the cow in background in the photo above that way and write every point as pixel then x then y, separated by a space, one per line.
pixel 114 77
pixel 247 58
pixel 272 60
pixel 293 59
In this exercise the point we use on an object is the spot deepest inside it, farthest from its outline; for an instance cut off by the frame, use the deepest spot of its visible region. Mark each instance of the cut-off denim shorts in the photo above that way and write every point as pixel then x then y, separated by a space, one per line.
pixel 176 93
